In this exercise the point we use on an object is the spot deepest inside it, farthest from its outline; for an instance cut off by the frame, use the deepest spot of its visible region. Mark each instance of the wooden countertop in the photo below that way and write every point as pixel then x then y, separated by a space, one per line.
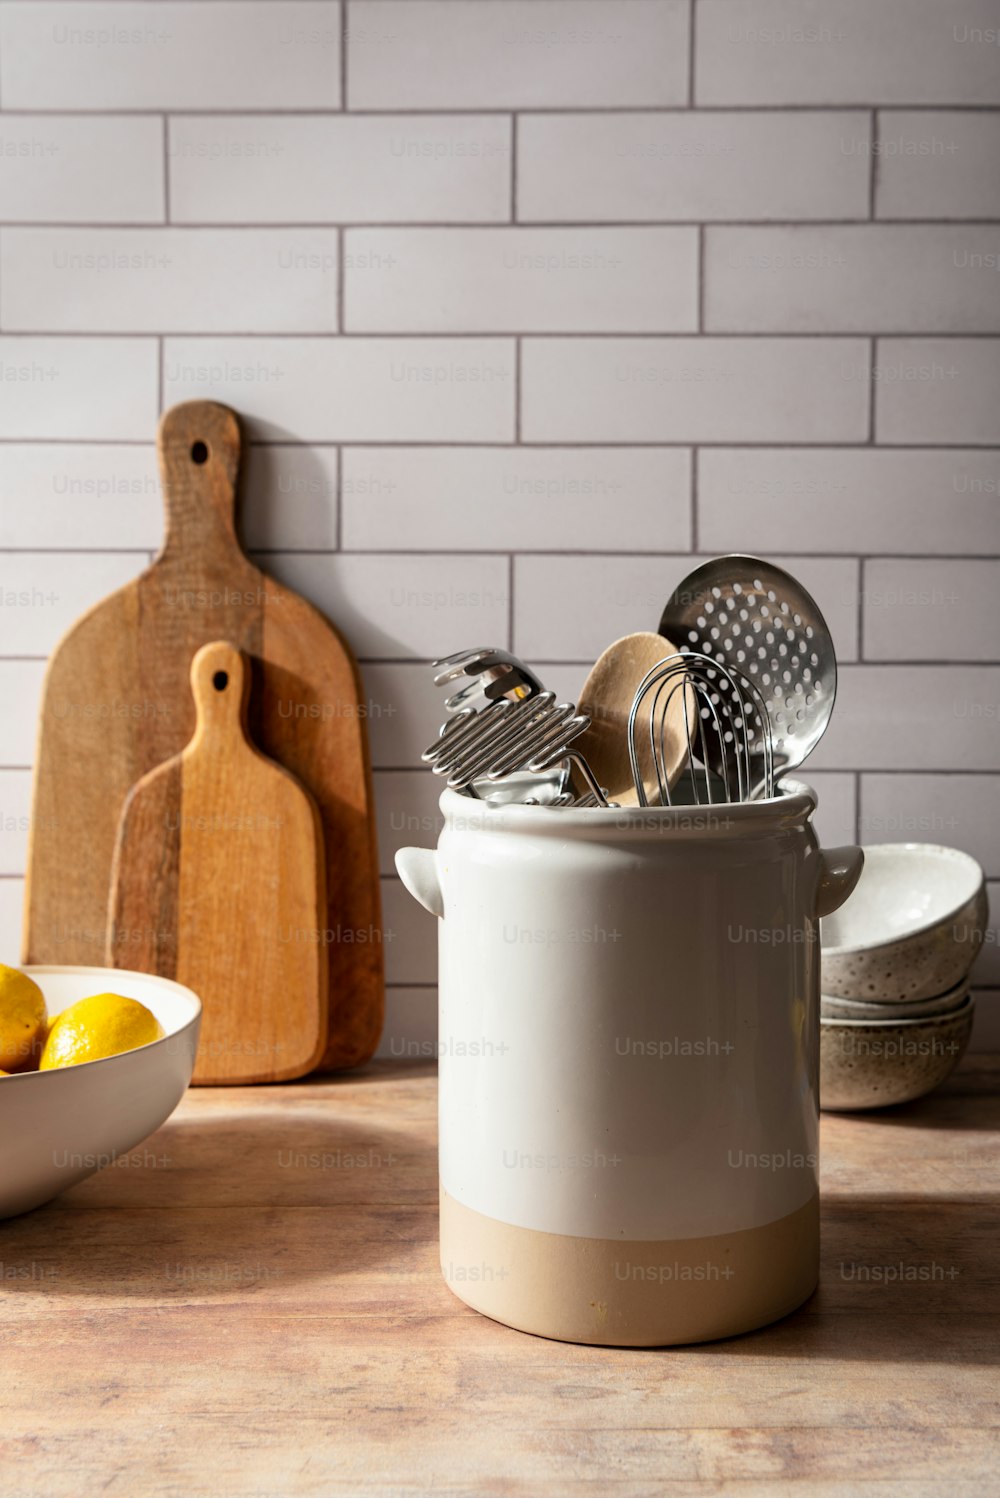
pixel 250 1305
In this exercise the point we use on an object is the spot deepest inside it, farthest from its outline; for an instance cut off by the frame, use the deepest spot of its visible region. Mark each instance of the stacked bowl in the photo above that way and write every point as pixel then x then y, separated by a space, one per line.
pixel 896 1011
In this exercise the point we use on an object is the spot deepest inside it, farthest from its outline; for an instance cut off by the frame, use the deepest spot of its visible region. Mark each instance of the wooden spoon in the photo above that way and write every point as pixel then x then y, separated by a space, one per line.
pixel 607 699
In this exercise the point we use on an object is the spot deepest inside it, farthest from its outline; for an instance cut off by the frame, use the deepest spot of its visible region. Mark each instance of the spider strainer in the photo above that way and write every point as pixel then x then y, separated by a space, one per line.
pixel 750 614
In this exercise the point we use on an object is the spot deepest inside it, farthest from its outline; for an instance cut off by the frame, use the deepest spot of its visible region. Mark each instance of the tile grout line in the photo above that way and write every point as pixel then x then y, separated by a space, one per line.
pixel 345 32
pixel 341 277
pixel 504 335
pixel 867 666
pixel 567 225
pixel 166 170
pixel 595 553
pixel 582 445
pixel 890 771
pixel 484 111
pixel 873 166
pixel 695 496
pixel 515 146
pixel 339 529
pixel 518 388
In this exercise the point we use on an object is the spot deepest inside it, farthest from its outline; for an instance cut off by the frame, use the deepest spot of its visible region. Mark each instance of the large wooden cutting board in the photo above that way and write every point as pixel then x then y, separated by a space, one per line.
pixel 117 703
pixel 218 881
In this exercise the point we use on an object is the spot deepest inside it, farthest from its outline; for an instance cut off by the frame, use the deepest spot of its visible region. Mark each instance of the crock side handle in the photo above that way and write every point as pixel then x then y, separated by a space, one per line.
pixel 417 867
pixel 839 871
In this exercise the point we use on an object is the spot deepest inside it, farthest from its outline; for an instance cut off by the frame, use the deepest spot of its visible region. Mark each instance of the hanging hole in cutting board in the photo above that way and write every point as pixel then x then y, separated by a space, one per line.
pixel 220 680
pixel 199 452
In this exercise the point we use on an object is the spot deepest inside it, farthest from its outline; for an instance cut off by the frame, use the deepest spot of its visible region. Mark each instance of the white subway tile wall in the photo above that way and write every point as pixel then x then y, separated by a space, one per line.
pixel 170 54
pixel 340 169
pixel 527 305
pixel 521 280
pixel 699 165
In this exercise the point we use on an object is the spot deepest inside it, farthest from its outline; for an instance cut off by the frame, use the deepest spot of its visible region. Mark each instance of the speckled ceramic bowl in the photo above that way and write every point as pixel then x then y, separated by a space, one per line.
pixel 832 1007
pixel 876 1063
pixel 912 928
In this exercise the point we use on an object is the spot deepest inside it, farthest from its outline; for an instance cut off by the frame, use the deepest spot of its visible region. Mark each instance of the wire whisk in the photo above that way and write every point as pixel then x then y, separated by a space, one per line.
pixel 725 725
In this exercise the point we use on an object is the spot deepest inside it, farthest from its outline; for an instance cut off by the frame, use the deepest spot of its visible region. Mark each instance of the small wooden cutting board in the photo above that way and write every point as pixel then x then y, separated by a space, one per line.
pixel 218 881
pixel 117 703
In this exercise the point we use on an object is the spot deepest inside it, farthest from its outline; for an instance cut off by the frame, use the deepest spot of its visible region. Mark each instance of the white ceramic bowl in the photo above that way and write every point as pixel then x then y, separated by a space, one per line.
pixel 878 1063
pixel 58 1127
pixel 912 928
pixel 832 1007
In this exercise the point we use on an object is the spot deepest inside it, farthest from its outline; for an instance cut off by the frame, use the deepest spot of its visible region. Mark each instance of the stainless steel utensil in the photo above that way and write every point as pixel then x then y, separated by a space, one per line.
pixel 727 731
pixel 507 738
pixel 492 672
pixel 496 677
pixel 748 614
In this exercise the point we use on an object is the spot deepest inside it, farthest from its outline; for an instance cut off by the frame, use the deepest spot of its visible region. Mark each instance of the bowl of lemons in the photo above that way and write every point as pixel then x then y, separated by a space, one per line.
pixel 92 1061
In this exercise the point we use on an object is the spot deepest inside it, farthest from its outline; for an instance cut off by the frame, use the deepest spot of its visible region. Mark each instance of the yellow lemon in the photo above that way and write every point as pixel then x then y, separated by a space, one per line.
pixel 102 1025
pixel 22 1020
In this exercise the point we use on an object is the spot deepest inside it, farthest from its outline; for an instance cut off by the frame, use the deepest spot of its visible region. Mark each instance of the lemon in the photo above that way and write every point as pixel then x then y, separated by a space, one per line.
pixel 22 1020
pixel 102 1025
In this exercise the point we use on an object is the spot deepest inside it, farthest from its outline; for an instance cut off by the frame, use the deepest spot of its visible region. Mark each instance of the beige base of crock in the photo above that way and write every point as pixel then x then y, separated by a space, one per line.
pixel 630 1294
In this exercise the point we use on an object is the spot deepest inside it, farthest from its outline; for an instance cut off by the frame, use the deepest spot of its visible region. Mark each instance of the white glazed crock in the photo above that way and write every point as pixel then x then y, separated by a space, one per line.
pixel 628 1041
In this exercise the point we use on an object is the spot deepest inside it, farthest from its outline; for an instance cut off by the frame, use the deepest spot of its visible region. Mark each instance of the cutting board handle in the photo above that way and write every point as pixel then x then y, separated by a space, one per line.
pixel 198 443
pixel 220 682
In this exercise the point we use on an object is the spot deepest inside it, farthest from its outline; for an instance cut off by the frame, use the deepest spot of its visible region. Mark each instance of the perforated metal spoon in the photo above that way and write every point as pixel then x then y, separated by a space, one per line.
pixel 748 613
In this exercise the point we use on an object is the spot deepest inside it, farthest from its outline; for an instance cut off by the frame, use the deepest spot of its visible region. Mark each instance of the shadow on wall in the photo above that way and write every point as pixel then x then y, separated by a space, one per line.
pixel 289 494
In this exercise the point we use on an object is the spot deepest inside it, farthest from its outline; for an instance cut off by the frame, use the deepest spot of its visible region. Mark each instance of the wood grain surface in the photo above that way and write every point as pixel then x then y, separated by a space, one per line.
pixel 117 703
pixel 218 882
pixel 251 1304
pixel 607 697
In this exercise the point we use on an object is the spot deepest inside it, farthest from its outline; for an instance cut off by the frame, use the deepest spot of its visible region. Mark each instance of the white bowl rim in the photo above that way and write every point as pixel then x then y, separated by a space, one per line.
pixel 178 989
pixel 957 855
pixel 959 1012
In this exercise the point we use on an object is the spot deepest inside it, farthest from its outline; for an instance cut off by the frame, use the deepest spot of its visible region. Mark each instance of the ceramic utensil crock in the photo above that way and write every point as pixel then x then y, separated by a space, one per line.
pixel 629 1022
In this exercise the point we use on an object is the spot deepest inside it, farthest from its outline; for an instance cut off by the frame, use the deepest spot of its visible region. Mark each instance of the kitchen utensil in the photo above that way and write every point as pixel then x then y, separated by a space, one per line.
pixel 217 881
pixel 877 1063
pixel 496 674
pixel 507 738
pixel 728 729
pixel 549 788
pixel 493 673
pixel 117 703
pixel 750 614
pixel 629 1029
pixel 58 1127
pixel 607 698
pixel 913 929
